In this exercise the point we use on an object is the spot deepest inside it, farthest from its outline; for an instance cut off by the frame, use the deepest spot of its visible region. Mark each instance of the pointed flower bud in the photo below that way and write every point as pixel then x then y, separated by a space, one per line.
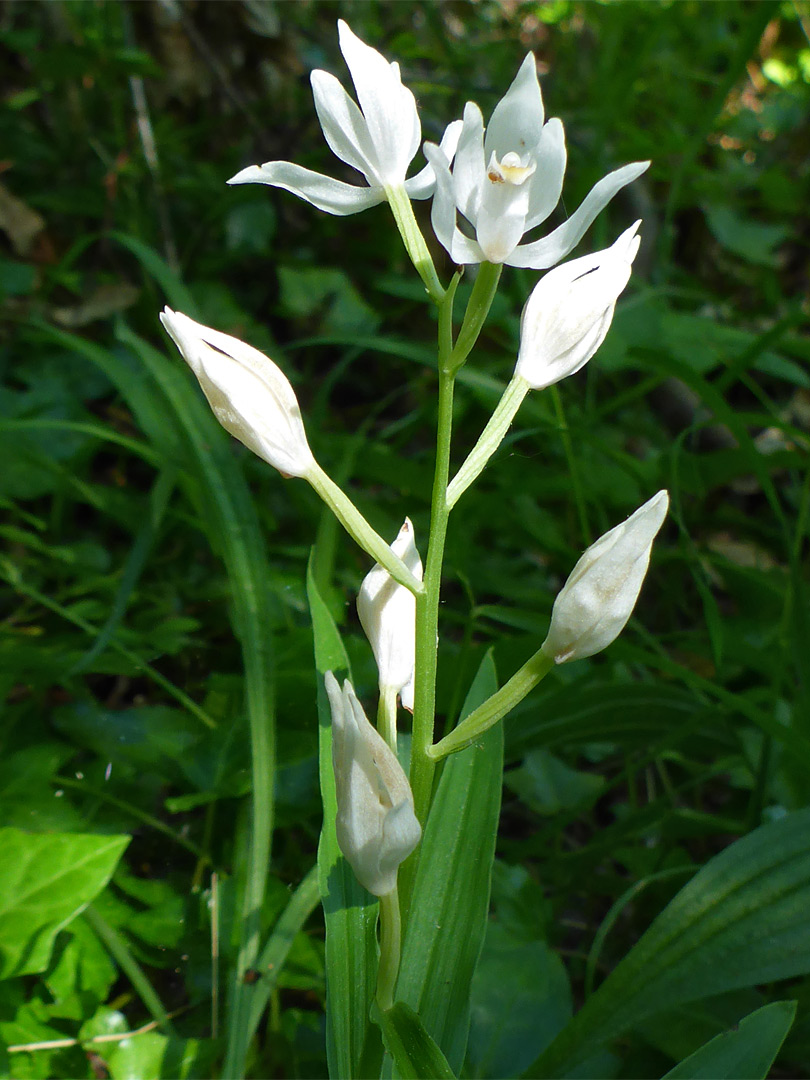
pixel 595 603
pixel 249 394
pixel 377 828
pixel 388 616
pixel 569 312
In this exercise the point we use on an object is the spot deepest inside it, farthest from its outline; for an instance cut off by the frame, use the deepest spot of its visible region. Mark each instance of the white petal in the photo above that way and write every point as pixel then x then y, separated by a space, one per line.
pixel 327 194
pixel 547 181
pixel 518 117
pixel 548 251
pixel 501 219
pixel 470 167
pixel 343 125
pixel 389 107
pixel 423 184
pixel 443 212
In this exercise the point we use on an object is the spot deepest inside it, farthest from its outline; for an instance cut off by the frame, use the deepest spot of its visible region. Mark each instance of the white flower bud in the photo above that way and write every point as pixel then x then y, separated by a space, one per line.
pixel 377 828
pixel 388 616
pixel 569 312
pixel 595 603
pixel 249 394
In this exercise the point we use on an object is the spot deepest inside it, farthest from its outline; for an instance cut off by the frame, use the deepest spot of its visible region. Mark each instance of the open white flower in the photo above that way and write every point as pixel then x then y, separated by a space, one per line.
pixel 388 616
pixel 593 606
pixel 249 394
pixel 508 181
pixel 377 828
pixel 570 310
pixel 379 139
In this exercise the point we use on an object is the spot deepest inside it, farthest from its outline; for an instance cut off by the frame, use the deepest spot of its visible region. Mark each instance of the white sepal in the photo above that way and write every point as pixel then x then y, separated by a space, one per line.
pixel 377 828
pixel 598 598
pixel 249 394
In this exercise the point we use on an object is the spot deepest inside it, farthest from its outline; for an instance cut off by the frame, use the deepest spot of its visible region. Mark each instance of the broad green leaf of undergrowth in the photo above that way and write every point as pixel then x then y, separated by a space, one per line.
pixel 349 911
pixel 451 894
pixel 521 998
pixel 741 921
pixel 746 1052
pixel 160 1057
pixel 46 879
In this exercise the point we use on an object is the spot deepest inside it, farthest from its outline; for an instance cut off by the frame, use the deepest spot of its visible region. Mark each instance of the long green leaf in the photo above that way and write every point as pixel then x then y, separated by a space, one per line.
pixel 415 1054
pixel 451 895
pixel 746 1052
pixel 742 920
pixel 172 412
pixel 275 952
pixel 353 1044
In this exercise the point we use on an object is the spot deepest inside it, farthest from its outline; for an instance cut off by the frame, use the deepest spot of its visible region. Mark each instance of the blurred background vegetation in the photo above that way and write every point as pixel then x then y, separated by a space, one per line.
pixel 120 672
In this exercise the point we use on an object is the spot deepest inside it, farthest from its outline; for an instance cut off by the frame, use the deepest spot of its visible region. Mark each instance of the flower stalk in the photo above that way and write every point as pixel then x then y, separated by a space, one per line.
pixel 490 439
pixel 359 529
pixel 414 241
pixel 495 708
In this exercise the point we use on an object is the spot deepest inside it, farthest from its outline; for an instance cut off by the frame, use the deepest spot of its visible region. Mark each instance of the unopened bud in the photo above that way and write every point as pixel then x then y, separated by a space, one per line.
pixel 388 615
pixel 249 394
pixel 377 828
pixel 598 598
pixel 569 312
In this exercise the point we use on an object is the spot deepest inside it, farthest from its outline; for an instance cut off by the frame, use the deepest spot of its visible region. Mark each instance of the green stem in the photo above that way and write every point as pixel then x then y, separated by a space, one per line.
pixel 490 439
pixel 573 470
pixel 387 715
pixel 495 707
pixel 390 935
pixel 483 293
pixel 359 529
pixel 414 242
pixel 427 603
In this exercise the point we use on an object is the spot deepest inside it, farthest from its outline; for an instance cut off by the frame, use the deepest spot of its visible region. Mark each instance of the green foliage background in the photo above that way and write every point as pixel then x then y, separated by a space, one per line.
pixel 138 541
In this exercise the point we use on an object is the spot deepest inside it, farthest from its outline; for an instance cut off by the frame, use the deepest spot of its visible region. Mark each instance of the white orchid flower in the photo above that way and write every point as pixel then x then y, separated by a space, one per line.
pixel 507 182
pixel 598 598
pixel 377 828
pixel 249 394
pixel 379 139
pixel 388 616
pixel 570 310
